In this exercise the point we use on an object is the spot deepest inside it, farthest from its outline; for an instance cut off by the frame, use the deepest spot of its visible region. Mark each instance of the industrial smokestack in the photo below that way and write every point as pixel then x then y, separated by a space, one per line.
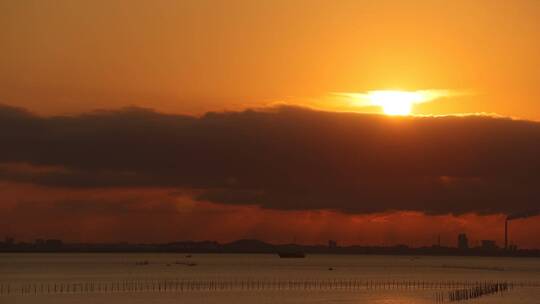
pixel 506 234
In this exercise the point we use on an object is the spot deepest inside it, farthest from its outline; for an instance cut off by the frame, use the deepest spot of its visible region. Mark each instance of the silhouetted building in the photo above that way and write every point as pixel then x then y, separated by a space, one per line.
pixel 332 244
pixel 463 241
pixel 39 242
pixel 489 245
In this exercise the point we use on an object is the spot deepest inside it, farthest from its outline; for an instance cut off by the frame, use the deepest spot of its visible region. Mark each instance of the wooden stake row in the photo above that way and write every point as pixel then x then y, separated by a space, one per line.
pixel 183 285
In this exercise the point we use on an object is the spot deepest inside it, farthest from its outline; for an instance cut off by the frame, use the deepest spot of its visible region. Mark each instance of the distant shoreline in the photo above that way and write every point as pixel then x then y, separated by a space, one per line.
pixel 258 247
pixel 274 253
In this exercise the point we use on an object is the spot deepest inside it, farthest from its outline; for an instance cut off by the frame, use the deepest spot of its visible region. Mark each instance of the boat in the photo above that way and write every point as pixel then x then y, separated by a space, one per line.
pixel 292 255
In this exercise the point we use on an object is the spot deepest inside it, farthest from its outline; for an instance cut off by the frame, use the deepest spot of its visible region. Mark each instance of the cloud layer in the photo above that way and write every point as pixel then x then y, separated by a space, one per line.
pixel 285 158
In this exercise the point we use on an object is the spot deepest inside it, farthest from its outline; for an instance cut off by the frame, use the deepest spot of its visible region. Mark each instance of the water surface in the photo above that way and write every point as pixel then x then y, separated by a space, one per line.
pixel 393 279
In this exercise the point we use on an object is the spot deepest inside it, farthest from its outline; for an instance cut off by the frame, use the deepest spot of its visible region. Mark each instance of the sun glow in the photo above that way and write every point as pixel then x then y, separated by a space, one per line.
pixel 395 102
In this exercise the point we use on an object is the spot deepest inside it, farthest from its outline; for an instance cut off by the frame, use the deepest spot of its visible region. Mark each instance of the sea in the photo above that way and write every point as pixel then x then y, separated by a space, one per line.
pixel 265 278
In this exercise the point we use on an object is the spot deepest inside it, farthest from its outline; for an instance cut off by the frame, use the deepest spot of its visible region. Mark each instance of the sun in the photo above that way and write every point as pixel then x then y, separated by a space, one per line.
pixel 395 102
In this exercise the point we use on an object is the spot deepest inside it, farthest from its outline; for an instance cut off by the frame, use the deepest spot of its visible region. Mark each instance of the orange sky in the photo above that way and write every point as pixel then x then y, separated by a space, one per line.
pixel 195 56
pixel 200 55
pixel 152 215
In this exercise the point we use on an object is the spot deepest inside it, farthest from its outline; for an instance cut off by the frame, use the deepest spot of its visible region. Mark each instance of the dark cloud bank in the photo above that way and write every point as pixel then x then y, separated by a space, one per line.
pixel 287 158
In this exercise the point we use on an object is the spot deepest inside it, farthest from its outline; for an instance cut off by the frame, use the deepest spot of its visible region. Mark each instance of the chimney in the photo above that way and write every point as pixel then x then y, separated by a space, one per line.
pixel 506 234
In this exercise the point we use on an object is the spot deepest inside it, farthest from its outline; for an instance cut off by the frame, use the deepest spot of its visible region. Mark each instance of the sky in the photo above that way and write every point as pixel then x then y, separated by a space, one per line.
pixel 166 120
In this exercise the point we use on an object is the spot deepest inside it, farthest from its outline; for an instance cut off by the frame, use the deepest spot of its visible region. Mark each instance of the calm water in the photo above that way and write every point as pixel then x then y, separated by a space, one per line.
pixel 33 271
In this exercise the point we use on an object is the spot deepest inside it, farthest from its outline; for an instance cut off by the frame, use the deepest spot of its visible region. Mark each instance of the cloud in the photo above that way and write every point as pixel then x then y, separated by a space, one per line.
pixel 285 158
pixel 523 214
